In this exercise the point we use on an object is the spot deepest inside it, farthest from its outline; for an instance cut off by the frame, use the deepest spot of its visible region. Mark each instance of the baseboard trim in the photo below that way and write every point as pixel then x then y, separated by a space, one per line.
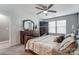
pixel 4 44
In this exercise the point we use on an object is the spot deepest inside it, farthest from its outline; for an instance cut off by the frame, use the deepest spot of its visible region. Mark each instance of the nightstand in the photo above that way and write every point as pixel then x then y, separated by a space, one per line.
pixel 77 39
pixel 76 52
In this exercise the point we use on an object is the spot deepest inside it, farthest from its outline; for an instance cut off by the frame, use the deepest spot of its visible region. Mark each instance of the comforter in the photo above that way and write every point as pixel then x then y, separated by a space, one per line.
pixel 44 45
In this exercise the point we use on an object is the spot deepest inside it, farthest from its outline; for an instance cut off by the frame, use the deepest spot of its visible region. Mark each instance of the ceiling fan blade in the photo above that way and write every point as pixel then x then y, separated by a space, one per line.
pixel 39 12
pixel 41 5
pixel 50 6
pixel 39 8
pixel 52 11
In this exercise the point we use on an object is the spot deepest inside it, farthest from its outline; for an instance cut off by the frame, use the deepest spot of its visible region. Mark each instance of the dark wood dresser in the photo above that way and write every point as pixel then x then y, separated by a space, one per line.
pixel 43 27
pixel 24 34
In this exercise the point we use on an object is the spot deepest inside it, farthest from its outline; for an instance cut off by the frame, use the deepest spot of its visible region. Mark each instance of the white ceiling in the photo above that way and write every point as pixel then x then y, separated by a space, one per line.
pixel 29 10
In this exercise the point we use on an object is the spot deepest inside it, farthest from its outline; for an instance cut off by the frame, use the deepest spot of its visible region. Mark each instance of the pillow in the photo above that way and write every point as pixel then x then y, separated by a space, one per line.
pixel 68 35
pixel 72 34
pixel 67 43
pixel 59 39
pixel 70 48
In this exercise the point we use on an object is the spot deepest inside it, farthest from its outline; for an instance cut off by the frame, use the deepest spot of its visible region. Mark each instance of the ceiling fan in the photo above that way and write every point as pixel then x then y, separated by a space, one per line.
pixel 45 9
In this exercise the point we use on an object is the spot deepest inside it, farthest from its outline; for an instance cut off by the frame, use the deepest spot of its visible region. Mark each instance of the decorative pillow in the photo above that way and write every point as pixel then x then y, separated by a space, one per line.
pixel 67 44
pixel 67 35
pixel 67 41
pixel 59 39
pixel 70 48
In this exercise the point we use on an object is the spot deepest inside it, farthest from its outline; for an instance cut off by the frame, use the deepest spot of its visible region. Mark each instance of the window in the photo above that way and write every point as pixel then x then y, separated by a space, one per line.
pixel 58 26
pixel 52 27
pixel 61 26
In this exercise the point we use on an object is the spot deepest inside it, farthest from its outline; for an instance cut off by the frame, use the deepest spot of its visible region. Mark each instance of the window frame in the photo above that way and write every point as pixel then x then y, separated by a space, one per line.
pixel 56 26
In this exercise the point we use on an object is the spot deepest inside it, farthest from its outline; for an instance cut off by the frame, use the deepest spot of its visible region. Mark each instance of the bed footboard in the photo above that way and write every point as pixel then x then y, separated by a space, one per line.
pixel 28 50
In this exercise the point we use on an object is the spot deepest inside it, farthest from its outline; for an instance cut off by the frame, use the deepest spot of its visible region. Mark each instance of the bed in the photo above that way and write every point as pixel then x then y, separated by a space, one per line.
pixel 44 45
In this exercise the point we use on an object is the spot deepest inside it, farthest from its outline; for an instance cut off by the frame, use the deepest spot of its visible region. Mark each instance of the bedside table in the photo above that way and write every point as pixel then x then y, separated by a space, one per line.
pixel 77 39
pixel 76 52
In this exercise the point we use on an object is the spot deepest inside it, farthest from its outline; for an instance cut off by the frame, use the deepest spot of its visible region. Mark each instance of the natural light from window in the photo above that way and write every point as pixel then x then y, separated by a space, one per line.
pixel 58 26
pixel 52 27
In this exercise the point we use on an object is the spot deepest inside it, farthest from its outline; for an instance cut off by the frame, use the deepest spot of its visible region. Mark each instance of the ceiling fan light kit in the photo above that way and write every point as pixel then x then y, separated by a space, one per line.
pixel 45 12
pixel 44 9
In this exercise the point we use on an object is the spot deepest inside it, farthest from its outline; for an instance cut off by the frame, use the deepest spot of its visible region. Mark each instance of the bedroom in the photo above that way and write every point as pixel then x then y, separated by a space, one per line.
pixel 65 21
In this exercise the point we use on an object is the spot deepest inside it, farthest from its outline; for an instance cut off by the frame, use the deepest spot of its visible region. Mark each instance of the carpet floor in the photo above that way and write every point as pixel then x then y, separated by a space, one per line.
pixel 15 50
pixel 19 50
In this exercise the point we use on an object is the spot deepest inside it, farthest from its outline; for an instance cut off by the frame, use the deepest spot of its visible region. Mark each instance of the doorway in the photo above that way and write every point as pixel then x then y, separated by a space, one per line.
pixel 4 30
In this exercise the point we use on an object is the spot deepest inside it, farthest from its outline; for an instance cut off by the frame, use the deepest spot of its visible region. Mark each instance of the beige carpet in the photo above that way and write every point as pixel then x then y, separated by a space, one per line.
pixel 19 50
pixel 14 50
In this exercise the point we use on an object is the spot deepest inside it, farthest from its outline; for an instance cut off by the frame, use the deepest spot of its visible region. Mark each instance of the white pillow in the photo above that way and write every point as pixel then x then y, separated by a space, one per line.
pixel 67 35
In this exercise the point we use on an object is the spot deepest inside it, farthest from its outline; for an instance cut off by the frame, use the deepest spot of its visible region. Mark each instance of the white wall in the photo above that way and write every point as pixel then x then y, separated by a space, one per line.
pixel 78 22
pixel 4 28
pixel 13 27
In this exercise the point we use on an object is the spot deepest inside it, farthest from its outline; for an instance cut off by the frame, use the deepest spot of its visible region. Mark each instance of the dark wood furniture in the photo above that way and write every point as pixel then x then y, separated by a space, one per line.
pixel 24 34
pixel 26 38
pixel 43 27
pixel 27 34
pixel 22 37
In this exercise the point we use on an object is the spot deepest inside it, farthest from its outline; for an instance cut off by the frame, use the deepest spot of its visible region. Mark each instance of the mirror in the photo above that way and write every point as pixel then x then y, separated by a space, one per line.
pixel 28 25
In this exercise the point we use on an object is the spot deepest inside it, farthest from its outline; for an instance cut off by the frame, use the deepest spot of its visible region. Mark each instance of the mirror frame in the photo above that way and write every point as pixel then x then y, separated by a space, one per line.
pixel 26 21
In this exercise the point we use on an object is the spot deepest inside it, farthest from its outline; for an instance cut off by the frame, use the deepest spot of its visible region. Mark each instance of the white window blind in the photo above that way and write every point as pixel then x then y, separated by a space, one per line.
pixel 52 26
pixel 61 26
pixel 58 26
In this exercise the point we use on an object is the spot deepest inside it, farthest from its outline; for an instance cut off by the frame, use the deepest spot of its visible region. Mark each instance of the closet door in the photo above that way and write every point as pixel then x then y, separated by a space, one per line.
pixel 4 28
pixel 43 28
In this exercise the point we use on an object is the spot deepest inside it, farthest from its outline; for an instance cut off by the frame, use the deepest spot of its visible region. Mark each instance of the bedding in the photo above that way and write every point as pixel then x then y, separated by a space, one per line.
pixel 44 45
pixel 68 45
pixel 70 48
pixel 66 42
